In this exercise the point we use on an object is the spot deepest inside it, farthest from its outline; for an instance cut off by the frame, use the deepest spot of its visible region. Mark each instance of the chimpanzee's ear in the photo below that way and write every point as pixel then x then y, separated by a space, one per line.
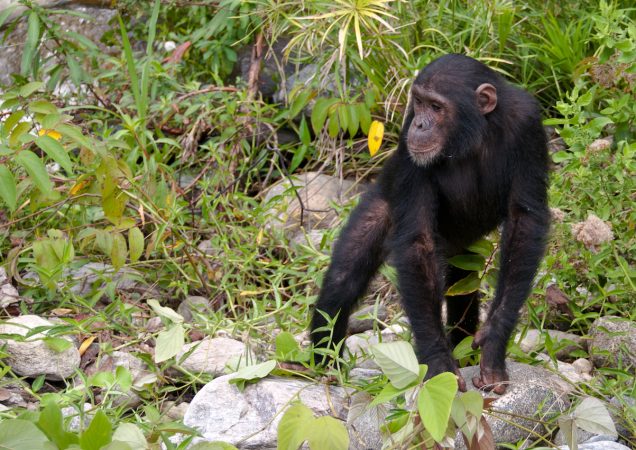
pixel 486 98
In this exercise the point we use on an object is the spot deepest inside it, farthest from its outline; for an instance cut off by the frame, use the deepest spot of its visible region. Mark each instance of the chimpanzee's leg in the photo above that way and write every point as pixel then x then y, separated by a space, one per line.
pixel 357 256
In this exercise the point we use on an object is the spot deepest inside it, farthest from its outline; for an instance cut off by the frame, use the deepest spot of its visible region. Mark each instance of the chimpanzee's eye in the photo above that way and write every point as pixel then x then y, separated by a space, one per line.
pixel 436 107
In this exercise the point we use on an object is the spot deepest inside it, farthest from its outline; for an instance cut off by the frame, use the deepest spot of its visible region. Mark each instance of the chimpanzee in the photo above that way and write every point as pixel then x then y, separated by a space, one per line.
pixel 472 155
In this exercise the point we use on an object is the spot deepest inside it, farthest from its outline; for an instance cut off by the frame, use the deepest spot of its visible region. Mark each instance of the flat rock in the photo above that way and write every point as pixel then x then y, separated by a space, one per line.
pixel 565 342
pixel 532 393
pixel 212 355
pixel 33 357
pixel 613 341
pixel 318 193
pixel 249 419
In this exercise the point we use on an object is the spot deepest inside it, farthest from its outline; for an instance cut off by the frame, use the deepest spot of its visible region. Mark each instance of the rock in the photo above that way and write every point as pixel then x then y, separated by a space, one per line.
pixel 78 418
pixel 532 392
pixel 8 293
pixel 568 371
pixel 174 411
pixel 364 422
pixel 613 341
pixel 212 355
pixel 33 357
pixel 220 412
pixel 583 366
pixel 600 145
pixel 598 445
pixel 358 325
pixel 317 191
pixel 193 304
pixel 620 409
pixel 311 238
pixel 592 233
pixel 564 342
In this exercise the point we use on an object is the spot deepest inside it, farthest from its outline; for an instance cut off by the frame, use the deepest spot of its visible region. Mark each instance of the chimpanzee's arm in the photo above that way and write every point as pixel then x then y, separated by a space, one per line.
pixel 522 247
pixel 357 256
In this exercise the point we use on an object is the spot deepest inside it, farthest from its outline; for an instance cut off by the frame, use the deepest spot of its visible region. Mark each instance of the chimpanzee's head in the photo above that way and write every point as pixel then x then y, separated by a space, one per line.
pixel 450 100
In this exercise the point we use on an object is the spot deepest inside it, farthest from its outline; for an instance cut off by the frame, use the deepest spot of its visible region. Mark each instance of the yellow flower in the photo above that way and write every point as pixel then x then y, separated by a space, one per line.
pixel 376 133
pixel 51 133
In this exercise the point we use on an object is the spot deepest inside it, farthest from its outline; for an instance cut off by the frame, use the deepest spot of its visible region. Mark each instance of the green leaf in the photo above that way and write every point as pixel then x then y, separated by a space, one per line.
pixel 57 344
pixel 592 415
pixel 97 434
pixel 18 132
pixel 255 372
pixel 8 189
pixel 562 156
pixel 168 343
pixel 327 433
pixel 118 251
pixel 43 107
pixel 17 434
pixel 36 170
pixel 568 428
pixel 4 15
pixel 164 311
pixel 75 134
pixel 30 48
pixel 468 262
pixel 388 393
pixel 303 132
pixel 398 362
pixel 434 403
pixel 465 285
pixel 51 422
pixel 333 126
pixel 354 121
pixel 286 346
pixel 135 243
pixel 56 152
pixel 464 348
pixel 482 247
pixel 319 113
pixel 292 426
pixel 365 117
pixel 12 121
pixel 30 88
pixel 299 102
pixel 131 435
pixel 343 116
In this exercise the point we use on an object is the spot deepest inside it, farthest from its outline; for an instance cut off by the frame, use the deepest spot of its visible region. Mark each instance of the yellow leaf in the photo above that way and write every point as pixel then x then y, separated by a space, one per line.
pixel 87 342
pixel 51 133
pixel 376 133
pixel 79 186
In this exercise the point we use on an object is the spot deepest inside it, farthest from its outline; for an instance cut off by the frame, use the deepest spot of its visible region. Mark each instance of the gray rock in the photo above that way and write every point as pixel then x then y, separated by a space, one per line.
pixel 78 418
pixel 618 411
pixel 613 341
pixel 212 355
pixel 565 342
pixel 175 411
pixel 249 419
pixel 8 293
pixel 33 357
pixel 358 325
pixel 532 393
pixel 598 445
pixel 193 304
pixel 364 422
pixel 359 346
pixel 318 193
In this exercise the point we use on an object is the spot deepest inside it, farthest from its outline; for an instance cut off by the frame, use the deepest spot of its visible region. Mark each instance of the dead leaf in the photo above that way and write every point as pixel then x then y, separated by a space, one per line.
pixel 177 54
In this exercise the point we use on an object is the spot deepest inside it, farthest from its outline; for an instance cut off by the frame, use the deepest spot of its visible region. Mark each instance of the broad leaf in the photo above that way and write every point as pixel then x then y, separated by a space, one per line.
pixel 465 285
pixel 16 434
pixel 592 415
pixel 319 113
pixel 398 362
pixel 250 373
pixel 468 262
pixel 168 343
pixel 8 192
pixel 51 422
pixel 292 426
pixel 97 434
pixel 135 243
pixel 56 152
pixel 327 433
pixel 434 403
pixel 131 435
pixel 165 311
pixel 36 170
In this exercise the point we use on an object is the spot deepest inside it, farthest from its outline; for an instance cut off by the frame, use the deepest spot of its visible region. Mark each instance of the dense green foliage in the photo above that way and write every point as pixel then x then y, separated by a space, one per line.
pixel 158 163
